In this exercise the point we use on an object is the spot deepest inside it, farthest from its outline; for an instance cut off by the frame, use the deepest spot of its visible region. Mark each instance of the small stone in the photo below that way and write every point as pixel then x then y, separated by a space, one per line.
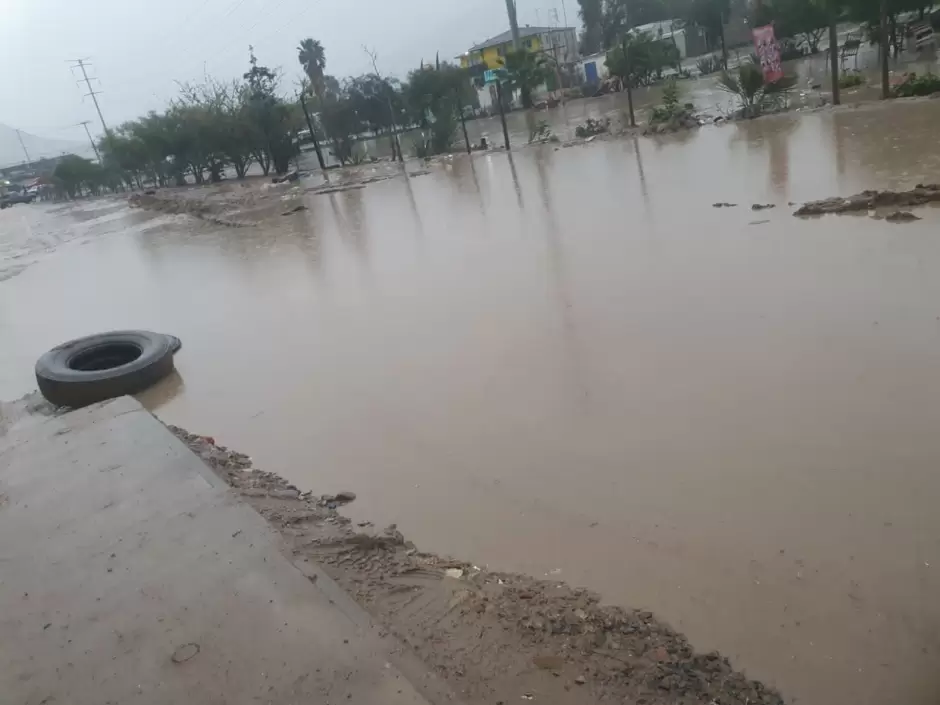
pixel 580 680
pixel 345 496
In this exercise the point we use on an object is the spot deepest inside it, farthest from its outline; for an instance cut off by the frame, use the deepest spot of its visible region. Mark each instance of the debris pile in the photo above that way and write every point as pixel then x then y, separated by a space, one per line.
pixel 492 636
pixel 871 200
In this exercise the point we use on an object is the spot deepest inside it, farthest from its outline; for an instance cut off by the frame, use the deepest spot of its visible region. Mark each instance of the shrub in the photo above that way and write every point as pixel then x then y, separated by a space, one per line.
pixel 913 85
pixel 851 80
pixel 708 64
pixel 540 132
pixel 592 127
pixel 755 96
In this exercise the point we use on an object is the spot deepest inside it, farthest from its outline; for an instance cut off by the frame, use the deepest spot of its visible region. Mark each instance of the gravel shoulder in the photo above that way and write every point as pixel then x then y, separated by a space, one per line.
pixel 494 637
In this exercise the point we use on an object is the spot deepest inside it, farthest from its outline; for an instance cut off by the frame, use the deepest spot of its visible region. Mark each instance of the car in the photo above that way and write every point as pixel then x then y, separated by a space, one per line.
pixel 14 197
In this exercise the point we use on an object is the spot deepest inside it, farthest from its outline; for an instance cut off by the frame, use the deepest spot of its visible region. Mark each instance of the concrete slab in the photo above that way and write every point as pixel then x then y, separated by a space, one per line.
pixel 127 575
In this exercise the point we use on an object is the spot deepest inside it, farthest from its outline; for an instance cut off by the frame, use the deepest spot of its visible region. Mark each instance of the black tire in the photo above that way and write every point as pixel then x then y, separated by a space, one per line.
pixel 104 366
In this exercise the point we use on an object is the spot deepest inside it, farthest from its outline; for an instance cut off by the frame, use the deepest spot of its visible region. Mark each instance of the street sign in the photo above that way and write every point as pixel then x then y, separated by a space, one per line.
pixel 495 75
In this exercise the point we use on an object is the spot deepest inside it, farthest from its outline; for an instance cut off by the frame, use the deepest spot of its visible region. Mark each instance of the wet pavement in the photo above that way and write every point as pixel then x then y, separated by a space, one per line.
pixel 567 362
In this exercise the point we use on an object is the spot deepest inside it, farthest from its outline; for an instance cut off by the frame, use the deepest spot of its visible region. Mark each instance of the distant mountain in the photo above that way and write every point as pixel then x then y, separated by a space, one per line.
pixel 12 153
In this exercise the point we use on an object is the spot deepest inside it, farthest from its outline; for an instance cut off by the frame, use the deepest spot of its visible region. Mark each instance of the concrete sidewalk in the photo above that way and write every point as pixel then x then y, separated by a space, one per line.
pixel 129 574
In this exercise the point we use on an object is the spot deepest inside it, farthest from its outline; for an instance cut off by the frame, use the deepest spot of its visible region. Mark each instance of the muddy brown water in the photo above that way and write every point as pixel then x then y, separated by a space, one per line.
pixel 568 363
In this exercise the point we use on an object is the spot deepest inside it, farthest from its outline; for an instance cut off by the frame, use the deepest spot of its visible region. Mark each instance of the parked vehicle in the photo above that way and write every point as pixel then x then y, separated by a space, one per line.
pixel 13 197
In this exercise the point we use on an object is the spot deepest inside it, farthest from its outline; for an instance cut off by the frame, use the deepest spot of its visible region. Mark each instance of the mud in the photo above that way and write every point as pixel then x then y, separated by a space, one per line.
pixel 873 199
pixel 495 637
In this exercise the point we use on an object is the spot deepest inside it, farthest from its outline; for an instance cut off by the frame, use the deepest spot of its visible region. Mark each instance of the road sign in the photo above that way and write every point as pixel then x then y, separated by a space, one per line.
pixel 495 75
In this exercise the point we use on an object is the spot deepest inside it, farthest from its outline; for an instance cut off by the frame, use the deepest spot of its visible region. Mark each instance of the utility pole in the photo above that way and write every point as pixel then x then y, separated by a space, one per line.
pixel 513 24
pixel 885 84
pixel 29 161
pixel 502 111
pixel 81 64
pixel 84 124
pixel 313 133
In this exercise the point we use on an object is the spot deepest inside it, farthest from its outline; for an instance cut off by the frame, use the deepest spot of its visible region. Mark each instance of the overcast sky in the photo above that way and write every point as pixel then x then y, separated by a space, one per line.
pixel 138 48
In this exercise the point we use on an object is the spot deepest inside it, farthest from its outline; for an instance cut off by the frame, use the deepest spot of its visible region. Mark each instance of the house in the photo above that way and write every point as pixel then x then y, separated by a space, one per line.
pixel 593 68
pixel 557 43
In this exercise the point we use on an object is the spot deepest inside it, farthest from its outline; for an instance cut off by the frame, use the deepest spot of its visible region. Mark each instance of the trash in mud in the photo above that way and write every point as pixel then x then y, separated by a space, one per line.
pixel 870 200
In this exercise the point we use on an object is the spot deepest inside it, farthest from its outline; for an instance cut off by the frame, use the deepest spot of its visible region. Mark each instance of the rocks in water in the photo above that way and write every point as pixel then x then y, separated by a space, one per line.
pixel 724 205
pixel 870 200
pixel 901 217
pixel 762 206
pixel 345 497
pixel 299 207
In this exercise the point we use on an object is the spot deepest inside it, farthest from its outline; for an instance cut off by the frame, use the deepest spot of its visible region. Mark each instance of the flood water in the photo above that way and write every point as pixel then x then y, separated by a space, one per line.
pixel 567 362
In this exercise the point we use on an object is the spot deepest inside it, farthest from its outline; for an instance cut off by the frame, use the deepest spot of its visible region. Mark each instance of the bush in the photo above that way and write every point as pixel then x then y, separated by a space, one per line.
pixel 851 80
pixel 540 132
pixel 918 85
pixel 708 64
pixel 592 127
pixel 671 115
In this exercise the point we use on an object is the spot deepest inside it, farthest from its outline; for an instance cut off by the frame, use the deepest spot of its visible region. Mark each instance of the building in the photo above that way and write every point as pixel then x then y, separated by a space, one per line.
pixel 557 43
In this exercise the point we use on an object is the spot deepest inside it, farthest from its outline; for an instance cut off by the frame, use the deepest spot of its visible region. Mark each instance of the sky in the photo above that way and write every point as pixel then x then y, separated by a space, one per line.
pixel 139 49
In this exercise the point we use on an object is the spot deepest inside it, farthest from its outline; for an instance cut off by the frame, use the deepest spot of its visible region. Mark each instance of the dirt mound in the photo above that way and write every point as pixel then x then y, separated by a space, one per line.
pixel 494 637
pixel 175 204
pixel 871 200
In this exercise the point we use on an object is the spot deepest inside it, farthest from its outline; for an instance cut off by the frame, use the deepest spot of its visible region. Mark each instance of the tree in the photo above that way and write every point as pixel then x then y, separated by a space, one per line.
pixel 592 17
pixel 527 72
pixel 640 58
pixel 275 122
pixel 433 96
pixel 711 15
pixel 312 57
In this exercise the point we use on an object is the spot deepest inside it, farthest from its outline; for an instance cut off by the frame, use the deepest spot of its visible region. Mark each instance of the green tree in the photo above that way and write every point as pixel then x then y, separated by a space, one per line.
pixel 640 58
pixel 527 71
pixel 711 15
pixel 592 17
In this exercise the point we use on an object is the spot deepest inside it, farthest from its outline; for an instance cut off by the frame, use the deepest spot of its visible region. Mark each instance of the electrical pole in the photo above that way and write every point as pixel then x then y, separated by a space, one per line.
pixel 93 145
pixel 29 162
pixel 883 41
pixel 513 24
pixel 81 64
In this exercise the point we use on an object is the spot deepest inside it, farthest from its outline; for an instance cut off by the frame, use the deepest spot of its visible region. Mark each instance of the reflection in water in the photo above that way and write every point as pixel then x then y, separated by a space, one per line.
pixel 739 424
pixel 515 178
pixel 162 393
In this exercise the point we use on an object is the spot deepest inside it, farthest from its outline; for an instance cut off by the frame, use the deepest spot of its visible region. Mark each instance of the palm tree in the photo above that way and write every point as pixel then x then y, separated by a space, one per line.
pixel 312 57
pixel 754 94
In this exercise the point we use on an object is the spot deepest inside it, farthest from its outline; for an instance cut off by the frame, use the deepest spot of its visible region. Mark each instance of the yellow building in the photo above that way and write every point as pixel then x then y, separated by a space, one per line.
pixel 559 43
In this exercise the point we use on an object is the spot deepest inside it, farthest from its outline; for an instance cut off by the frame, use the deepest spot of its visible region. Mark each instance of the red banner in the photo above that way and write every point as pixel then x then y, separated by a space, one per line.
pixel 768 53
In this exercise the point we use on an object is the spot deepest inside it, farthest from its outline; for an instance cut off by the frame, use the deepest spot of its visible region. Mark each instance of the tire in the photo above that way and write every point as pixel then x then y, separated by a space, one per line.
pixel 103 366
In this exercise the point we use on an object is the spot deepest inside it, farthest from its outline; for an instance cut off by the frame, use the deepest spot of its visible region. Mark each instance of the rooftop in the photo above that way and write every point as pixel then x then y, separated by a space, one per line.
pixel 506 37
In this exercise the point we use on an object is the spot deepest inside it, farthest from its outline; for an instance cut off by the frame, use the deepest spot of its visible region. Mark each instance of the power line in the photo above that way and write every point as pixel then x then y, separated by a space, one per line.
pixel 81 64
